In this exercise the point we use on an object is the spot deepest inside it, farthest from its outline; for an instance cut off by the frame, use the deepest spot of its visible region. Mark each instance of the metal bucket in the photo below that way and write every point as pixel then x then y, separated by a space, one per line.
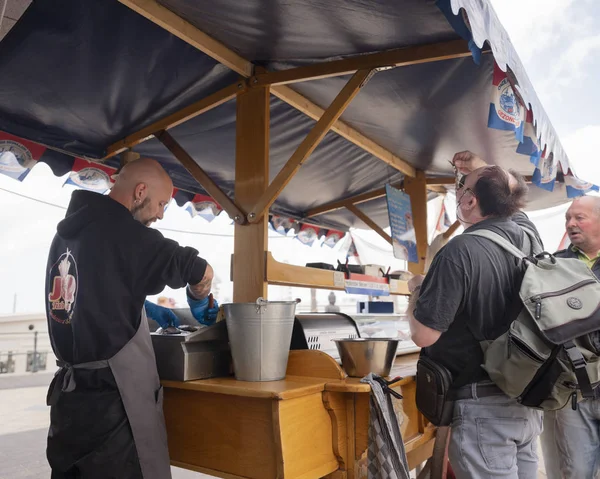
pixel 259 336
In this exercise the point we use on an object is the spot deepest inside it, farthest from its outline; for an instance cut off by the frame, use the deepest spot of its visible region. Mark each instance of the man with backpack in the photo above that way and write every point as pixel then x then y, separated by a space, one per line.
pixel 468 297
pixel 577 432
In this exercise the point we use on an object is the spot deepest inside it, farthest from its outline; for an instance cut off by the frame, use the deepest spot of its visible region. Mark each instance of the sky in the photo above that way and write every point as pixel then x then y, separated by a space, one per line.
pixel 558 42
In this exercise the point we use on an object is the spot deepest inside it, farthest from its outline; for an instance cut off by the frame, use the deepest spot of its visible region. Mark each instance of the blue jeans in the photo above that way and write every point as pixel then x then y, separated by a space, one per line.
pixel 494 437
pixel 549 448
pixel 578 439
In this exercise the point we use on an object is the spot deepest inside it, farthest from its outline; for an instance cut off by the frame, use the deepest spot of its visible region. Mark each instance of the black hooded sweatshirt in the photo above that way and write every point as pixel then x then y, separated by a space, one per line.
pixel 102 265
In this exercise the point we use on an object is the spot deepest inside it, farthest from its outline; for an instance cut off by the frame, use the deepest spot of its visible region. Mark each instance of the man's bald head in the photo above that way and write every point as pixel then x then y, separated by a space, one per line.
pixel 144 170
pixel 592 203
pixel 583 224
pixel 144 188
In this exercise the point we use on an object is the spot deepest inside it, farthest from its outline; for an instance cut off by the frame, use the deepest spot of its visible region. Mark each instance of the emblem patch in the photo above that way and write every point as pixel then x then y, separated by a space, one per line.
pixel 574 303
pixel 14 157
pixel 91 178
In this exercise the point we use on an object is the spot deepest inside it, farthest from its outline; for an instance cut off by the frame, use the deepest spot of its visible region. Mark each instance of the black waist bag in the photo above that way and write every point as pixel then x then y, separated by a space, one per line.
pixel 433 392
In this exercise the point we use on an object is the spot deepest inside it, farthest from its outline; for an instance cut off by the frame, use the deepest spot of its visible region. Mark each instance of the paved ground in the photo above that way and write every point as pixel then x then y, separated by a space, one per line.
pixel 24 420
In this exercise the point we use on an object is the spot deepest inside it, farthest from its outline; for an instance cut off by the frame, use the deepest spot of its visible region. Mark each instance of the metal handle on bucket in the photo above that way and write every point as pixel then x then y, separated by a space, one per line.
pixel 262 303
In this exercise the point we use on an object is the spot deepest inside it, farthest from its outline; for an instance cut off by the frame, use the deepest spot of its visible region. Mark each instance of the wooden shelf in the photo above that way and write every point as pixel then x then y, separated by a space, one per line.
pixel 291 275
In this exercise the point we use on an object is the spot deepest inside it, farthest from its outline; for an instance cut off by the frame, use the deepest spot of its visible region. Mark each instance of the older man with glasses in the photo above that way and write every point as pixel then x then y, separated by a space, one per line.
pixel 467 297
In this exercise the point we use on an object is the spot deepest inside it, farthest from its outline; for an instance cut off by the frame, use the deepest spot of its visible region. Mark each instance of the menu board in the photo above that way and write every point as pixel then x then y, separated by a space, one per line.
pixel 404 241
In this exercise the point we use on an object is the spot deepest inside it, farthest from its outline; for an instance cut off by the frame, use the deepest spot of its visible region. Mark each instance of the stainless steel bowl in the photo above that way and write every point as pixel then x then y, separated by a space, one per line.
pixel 367 355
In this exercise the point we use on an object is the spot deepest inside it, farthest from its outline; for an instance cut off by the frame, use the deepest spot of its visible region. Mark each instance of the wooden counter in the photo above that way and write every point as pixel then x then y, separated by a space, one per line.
pixel 312 424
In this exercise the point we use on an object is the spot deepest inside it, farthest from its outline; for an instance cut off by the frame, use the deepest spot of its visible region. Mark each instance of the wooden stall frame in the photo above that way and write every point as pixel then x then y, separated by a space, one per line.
pixel 310 142
pixel 284 274
pixel 398 57
pixel 201 176
pixel 163 17
pixel 369 222
pixel 252 272
pixel 177 118
pixel 252 179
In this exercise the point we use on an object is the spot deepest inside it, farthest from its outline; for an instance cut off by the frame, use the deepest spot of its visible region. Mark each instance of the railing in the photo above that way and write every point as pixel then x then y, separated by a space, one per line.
pixel 36 358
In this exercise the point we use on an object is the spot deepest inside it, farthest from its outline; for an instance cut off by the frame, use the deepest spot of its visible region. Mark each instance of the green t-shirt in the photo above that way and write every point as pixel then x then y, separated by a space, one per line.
pixel 585 258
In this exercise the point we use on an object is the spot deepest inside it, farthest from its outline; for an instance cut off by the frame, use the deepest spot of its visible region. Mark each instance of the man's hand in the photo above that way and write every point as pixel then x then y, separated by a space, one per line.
pixel 205 310
pixel 466 162
pixel 415 282
pixel 163 316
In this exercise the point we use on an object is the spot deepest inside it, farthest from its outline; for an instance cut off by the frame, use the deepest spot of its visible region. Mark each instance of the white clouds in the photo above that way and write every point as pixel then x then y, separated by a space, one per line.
pixel 583 147
pixel 572 62
pixel 534 25
pixel 555 39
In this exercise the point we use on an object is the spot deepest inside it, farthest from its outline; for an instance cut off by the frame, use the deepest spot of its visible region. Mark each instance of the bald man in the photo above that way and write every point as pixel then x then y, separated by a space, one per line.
pixel 572 438
pixel 106 399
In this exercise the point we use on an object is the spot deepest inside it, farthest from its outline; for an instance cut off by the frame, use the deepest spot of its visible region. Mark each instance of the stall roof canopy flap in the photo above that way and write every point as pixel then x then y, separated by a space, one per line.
pixel 79 76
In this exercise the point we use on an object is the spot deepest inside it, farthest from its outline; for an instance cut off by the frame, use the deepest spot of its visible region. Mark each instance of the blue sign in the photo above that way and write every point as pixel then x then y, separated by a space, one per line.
pixel 370 288
pixel 404 241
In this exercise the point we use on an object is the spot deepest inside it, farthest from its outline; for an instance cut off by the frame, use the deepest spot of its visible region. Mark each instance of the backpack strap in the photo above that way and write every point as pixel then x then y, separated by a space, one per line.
pixel 578 362
pixel 500 241
pixel 531 242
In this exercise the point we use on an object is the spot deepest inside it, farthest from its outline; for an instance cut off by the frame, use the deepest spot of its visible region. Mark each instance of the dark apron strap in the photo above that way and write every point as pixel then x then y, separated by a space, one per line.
pixel 64 379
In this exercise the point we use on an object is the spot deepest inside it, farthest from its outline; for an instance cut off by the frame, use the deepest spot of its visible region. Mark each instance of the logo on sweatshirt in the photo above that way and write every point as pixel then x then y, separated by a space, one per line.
pixel 63 288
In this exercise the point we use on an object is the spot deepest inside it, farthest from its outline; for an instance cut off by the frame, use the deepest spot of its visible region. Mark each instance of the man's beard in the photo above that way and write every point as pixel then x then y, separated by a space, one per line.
pixel 136 211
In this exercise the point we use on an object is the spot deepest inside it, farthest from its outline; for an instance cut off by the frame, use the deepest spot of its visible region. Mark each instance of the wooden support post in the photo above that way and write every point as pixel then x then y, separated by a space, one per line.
pixel 369 222
pixel 437 189
pixel 416 188
pixel 308 145
pixel 251 181
pixel 441 180
pixel 128 157
pixel 200 175
pixel 450 231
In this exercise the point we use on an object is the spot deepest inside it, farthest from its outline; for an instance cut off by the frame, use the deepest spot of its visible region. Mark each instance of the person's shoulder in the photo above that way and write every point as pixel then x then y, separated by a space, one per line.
pixel 523 221
pixel 565 253
pixel 458 252
pixel 460 242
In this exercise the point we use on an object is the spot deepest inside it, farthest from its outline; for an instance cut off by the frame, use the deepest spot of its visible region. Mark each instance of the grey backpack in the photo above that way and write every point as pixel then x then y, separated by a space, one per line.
pixel 550 352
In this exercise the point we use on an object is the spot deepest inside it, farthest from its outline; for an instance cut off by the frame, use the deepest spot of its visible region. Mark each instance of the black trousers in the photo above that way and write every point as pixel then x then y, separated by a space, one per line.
pixel 90 437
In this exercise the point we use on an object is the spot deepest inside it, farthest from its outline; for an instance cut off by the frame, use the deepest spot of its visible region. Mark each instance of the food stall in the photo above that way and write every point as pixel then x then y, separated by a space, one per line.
pixel 298 110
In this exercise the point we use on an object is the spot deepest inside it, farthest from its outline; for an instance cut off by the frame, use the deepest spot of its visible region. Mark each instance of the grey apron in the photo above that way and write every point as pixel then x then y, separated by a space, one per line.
pixel 134 370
